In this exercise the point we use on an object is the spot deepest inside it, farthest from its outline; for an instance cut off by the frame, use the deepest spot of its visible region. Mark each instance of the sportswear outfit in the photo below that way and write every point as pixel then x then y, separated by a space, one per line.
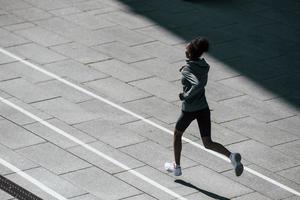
pixel 195 106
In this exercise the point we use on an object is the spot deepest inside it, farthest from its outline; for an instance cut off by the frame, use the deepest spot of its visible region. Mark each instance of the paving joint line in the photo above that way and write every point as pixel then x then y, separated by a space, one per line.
pixel 145 120
pixel 97 152
pixel 142 98
pixel 42 100
pixel 16 190
pixel 232 119
pixel 268 122
pixel 32 180
pixel 10 79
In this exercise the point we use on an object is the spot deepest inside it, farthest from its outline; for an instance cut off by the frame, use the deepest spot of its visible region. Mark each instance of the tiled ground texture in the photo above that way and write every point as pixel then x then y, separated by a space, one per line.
pixel 129 51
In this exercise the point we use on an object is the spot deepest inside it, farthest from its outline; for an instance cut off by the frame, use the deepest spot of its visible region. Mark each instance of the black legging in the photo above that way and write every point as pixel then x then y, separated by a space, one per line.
pixel 203 119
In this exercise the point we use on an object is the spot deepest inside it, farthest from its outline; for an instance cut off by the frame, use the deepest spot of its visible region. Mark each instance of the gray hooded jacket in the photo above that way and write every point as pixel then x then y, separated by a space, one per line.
pixel 194 79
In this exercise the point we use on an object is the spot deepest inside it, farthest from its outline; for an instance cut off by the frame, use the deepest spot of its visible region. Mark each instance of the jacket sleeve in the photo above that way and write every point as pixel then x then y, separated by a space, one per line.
pixel 196 85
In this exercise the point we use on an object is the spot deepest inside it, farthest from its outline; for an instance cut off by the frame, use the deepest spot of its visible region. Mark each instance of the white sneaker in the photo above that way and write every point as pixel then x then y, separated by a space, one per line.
pixel 172 167
pixel 236 162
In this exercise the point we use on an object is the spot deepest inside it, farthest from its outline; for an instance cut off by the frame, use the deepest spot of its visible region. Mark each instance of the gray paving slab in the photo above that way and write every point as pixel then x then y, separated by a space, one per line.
pixel 87 197
pixel 20 26
pixel 101 162
pixel 201 195
pixel 117 90
pixel 80 53
pixel 154 155
pixel 14 159
pixel 293 198
pixel 260 131
pixel 154 134
pixel 120 70
pixel 104 10
pixel 18 69
pixel 53 158
pixel 10 39
pixel 74 70
pixel 6 74
pixel 106 111
pixel 5 59
pixel 89 21
pixel 42 36
pixel 101 184
pixel 280 85
pixel 4 95
pixel 246 86
pixel 122 52
pixel 141 197
pixel 48 4
pixel 262 186
pixel 164 52
pixel 88 5
pixel 281 104
pixel 214 182
pixel 254 195
pixel 65 11
pixel 264 156
pixel 219 92
pixel 220 70
pixel 60 89
pixel 18 117
pixel 9 19
pixel 160 68
pixel 256 108
pixel 161 34
pixel 129 20
pixel 12 5
pixel 36 52
pixel 53 181
pixel 155 107
pixel 157 176
pixel 25 90
pixel 167 91
pixel 291 174
pixel 72 31
pixel 56 138
pixel 14 136
pixel 290 148
pixel 31 14
pixel 110 133
pixel 66 111
pixel 125 35
pixel 222 113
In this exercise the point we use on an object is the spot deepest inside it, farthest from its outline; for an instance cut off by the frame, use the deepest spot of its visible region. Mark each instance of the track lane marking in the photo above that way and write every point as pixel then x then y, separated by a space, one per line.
pixel 90 148
pixel 29 64
pixel 32 180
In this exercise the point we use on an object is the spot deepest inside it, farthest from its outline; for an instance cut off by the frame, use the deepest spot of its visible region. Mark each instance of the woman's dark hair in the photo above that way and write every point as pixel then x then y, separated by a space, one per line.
pixel 197 47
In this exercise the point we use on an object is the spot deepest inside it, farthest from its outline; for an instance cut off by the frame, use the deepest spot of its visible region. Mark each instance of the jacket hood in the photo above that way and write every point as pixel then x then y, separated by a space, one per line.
pixel 199 66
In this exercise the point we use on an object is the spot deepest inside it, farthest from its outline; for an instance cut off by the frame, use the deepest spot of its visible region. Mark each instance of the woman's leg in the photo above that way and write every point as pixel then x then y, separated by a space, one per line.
pixel 204 123
pixel 177 145
pixel 209 144
pixel 182 123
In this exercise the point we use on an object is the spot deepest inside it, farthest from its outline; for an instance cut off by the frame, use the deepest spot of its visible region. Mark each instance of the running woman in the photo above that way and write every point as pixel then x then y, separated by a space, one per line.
pixel 194 106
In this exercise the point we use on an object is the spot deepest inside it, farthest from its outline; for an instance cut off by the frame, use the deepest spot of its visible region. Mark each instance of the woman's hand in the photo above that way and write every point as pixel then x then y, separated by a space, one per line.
pixel 181 96
pixel 181 68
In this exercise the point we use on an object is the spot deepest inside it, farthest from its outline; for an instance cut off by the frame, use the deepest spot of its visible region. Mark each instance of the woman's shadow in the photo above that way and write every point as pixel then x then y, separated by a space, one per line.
pixel 212 195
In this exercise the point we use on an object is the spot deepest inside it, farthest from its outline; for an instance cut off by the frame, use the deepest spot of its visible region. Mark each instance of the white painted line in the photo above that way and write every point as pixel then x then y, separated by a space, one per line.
pixel 142 118
pixel 90 148
pixel 32 180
